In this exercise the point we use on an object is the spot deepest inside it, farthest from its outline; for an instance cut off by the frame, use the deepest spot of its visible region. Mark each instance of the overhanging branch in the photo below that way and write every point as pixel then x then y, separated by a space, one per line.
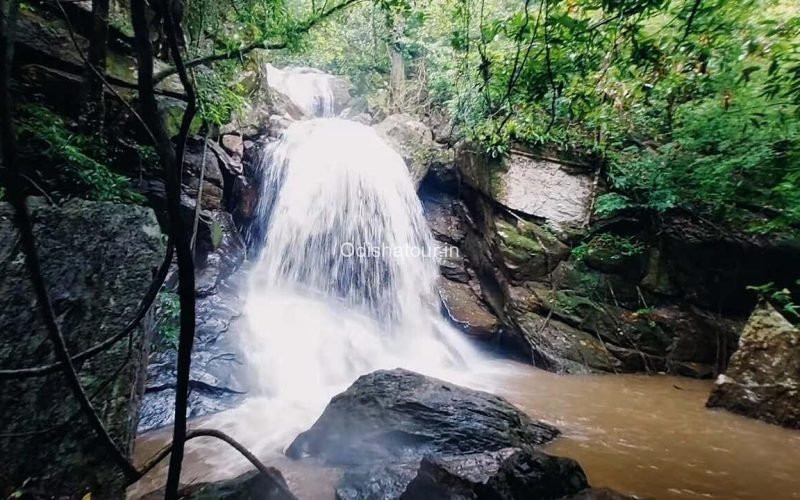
pixel 261 44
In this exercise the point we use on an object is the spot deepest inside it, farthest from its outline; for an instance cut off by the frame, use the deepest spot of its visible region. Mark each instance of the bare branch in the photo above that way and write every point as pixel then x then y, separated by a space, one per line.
pixel 186 280
pixel 268 472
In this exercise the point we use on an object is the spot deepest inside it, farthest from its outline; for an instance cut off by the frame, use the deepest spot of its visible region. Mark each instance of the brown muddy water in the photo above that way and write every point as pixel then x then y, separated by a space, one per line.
pixel 649 436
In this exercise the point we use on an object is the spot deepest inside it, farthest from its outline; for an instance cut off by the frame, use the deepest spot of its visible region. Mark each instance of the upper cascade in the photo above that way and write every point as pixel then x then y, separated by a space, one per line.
pixel 311 90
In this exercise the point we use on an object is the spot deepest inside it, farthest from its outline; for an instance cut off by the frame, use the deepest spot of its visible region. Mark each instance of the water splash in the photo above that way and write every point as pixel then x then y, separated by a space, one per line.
pixel 320 312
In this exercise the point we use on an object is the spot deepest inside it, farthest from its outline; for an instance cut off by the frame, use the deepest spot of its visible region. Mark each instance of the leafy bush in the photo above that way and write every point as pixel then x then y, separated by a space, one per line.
pixel 82 155
pixel 168 323
pixel 781 299
pixel 615 246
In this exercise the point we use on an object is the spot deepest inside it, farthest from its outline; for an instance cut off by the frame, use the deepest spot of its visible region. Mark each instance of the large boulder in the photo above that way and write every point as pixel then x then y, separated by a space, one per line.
pixel 398 415
pixel 413 140
pixel 507 474
pixel 763 378
pixel 402 435
pixel 540 188
pixel 98 261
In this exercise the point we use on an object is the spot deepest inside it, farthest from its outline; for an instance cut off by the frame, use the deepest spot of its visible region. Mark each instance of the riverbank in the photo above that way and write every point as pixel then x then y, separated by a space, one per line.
pixel 649 436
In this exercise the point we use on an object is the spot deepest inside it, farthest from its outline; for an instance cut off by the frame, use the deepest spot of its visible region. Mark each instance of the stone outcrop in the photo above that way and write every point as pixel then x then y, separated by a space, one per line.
pixel 401 435
pixel 763 378
pixel 98 261
pixel 624 294
pixel 508 474
pixel 540 188
pixel 413 140
pixel 398 415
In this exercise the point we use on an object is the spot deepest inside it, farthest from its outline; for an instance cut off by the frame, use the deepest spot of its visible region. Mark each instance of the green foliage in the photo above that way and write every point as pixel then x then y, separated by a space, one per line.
pixel 613 245
pixel 82 155
pixel 692 105
pixel 608 204
pixel 219 94
pixel 781 299
pixel 168 323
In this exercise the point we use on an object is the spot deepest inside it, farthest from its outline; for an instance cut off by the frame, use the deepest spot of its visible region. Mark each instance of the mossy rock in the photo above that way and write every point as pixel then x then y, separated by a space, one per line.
pixel 527 250
pixel 613 254
pixel 598 286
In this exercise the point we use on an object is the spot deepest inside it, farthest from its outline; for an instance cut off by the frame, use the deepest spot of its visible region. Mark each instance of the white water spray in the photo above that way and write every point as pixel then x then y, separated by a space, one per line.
pixel 321 312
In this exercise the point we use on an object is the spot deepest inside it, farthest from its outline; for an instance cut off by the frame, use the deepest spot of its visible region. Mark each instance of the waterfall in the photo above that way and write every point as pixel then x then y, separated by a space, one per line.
pixel 345 282
pixel 308 88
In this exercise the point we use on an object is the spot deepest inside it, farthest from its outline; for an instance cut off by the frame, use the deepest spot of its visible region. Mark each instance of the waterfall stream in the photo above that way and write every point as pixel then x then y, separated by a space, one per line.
pixel 345 280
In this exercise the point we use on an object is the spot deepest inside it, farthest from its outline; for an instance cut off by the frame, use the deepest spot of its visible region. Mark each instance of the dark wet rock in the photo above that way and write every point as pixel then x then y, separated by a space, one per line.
pixel 244 196
pixel 200 158
pixel 763 378
pixel 712 267
pixel 446 217
pixel 508 474
pixel 376 482
pixel 47 42
pixel 505 474
pixel 398 415
pixel 230 164
pixel 249 486
pixel 40 82
pixel 220 250
pixel 466 309
pixel 215 380
pixel 98 260
pixel 413 140
pixel 452 266
pixel 560 347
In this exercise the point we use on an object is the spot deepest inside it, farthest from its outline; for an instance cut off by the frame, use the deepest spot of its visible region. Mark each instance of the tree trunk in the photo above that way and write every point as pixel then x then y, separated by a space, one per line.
pixel 397 77
pixel 93 106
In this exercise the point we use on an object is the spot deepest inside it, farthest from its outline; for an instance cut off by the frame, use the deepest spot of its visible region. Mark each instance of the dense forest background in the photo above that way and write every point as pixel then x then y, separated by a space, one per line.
pixel 690 104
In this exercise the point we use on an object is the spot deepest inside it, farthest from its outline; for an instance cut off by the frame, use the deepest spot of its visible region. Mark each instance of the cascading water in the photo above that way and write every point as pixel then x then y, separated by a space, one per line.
pixel 308 88
pixel 345 283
